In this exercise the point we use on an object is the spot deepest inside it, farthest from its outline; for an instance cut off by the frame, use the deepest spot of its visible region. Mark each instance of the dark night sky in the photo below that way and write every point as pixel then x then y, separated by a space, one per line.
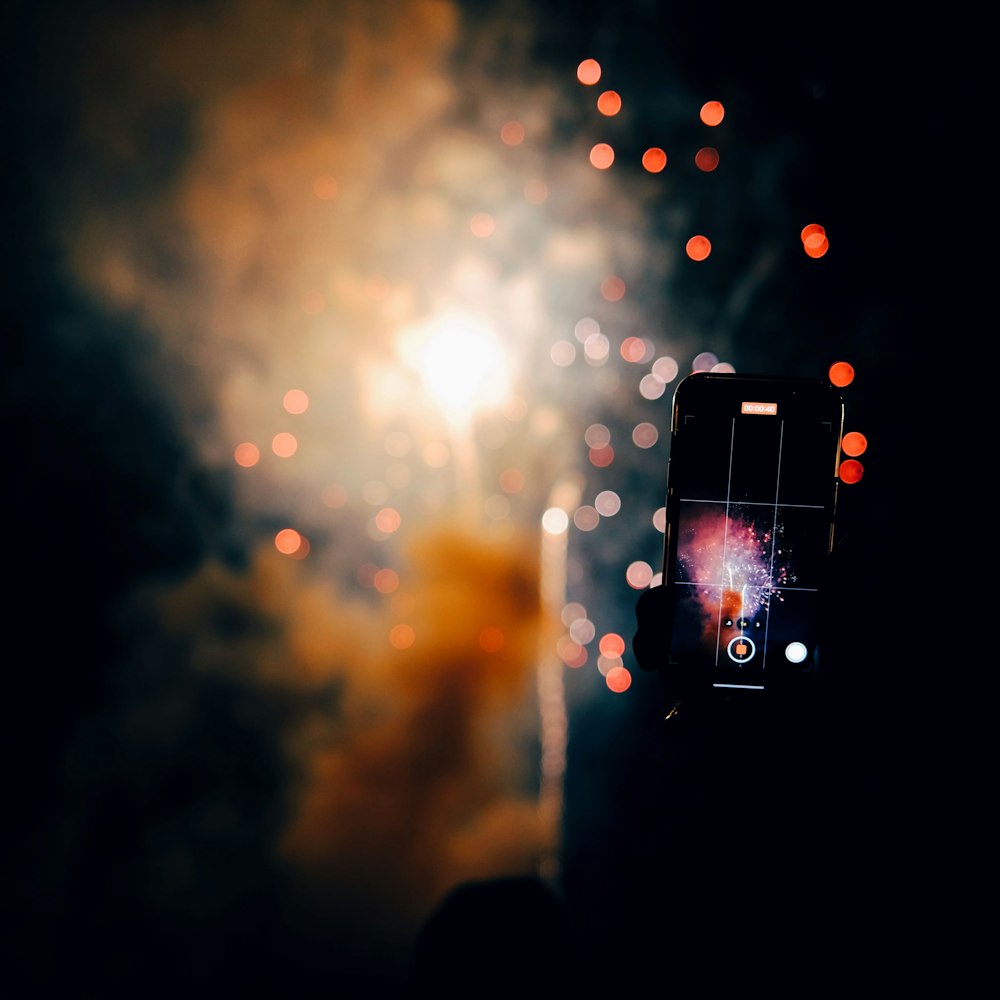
pixel 156 761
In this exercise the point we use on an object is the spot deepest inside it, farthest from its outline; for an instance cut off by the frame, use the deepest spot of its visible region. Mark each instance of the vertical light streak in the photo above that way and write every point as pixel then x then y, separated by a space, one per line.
pixel 564 496
pixel 465 463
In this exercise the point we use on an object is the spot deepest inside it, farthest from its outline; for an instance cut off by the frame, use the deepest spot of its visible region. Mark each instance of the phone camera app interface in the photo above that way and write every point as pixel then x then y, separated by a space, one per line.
pixel 751 536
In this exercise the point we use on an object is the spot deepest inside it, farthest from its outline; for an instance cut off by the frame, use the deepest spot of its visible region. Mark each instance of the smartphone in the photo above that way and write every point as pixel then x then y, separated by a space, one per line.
pixel 750 518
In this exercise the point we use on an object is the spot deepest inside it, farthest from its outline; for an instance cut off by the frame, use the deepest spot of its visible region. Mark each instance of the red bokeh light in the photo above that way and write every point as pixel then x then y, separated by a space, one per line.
pixel 841 373
pixel 851 471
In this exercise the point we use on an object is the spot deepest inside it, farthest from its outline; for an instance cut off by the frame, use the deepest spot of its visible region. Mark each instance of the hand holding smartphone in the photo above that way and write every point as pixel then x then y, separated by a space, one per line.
pixel 750 512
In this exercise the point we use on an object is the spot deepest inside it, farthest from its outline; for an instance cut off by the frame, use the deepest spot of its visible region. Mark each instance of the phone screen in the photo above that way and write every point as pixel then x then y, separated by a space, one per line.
pixel 751 497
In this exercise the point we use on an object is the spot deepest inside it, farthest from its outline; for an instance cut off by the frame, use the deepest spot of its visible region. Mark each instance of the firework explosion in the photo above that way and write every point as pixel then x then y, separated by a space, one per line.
pixel 729 550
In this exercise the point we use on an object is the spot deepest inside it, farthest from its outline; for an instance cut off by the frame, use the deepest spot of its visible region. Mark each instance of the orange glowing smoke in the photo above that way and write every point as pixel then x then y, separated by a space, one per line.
pixel 414 777
pixel 417 785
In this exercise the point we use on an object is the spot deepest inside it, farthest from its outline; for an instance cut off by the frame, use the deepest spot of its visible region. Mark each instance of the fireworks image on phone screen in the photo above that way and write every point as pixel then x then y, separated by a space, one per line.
pixel 735 567
pixel 751 526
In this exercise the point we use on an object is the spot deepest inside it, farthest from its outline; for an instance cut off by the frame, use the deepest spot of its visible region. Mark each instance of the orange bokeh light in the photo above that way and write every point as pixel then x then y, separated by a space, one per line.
pixel 325 187
pixel 512 480
pixel 612 289
pixel 247 454
pixel 633 349
pixel 512 133
pixel 602 156
pixel 611 644
pixel 571 652
pixel 609 103
pixel 588 72
pixel 814 240
pixel 388 519
pixel 654 159
pixel 402 636
pixel 712 112
pixel 287 541
pixel 818 249
pixel 601 457
pixel 284 445
pixel 698 247
pixel 386 581
pixel 854 444
pixel 618 679
pixel 841 373
pixel 296 401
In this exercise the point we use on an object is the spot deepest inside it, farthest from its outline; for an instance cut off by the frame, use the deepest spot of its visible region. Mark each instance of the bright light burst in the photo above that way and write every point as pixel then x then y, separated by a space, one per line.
pixel 461 362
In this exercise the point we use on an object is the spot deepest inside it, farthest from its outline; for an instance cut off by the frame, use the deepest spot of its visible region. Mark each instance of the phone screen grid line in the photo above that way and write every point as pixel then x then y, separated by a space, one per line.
pixel 752 503
pixel 774 536
pixel 725 538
